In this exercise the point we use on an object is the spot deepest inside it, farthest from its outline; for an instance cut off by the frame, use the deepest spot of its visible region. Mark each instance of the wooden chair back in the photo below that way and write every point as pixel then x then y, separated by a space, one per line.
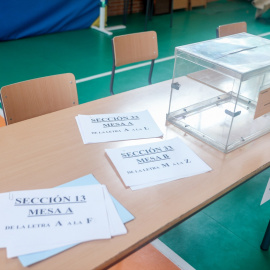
pixel 40 96
pixel 231 29
pixel 134 48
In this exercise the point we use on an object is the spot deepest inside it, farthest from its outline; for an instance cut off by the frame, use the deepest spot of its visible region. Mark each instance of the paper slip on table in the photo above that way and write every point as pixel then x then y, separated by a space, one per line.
pixel 48 151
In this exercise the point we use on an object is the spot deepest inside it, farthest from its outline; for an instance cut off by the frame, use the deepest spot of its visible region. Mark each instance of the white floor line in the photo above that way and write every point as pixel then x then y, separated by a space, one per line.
pixel 165 59
pixel 122 69
pixel 264 34
pixel 136 66
pixel 1 113
pixel 172 256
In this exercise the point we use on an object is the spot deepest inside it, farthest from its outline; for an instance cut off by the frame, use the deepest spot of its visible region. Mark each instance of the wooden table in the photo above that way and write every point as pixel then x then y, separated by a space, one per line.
pixel 47 151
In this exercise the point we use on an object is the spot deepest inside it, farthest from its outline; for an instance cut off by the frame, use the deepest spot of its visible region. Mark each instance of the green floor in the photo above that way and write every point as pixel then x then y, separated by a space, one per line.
pixel 225 235
pixel 88 52
pixel 228 233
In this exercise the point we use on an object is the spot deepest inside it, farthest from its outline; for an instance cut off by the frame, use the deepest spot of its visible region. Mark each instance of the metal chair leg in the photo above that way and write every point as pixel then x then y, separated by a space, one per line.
pixel 151 10
pixel 131 6
pixel 171 22
pixel 217 33
pixel 113 70
pixel 151 71
pixel 126 4
pixel 3 109
pixel 266 239
pixel 146 14
pixel 112 79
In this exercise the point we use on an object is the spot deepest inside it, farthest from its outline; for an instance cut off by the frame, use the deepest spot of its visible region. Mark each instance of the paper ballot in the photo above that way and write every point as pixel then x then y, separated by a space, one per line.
pixel 148 164
pixel 116 127
pixel 38 220
pixel 266 195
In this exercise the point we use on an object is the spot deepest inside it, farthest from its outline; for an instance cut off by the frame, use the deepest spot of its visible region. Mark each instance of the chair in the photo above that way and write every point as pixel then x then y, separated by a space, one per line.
pixel 148 257
pixel 36 97
pixel 231 29
pixel 132 48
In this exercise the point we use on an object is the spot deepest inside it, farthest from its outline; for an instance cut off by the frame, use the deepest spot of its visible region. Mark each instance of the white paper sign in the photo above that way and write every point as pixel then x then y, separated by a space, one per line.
pixel 144 165
pixel 117 127
pixel 38 220
pixel 266 195
pixel 115 223
pixel 116 227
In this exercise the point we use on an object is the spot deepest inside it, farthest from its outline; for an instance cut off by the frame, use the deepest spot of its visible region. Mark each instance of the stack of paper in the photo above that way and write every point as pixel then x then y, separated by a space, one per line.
pixel 85 180
pixel 150 164
pixel 38 220
pixel 117 127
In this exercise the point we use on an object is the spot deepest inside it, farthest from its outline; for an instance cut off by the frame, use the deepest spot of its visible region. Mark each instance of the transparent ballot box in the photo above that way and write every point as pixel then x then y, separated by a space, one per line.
pixel 221 90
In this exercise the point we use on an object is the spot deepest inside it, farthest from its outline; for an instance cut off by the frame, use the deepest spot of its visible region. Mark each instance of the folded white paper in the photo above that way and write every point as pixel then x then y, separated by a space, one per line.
pixel 89 179
pixel 148 164
pixel 116 127
pixel 39 220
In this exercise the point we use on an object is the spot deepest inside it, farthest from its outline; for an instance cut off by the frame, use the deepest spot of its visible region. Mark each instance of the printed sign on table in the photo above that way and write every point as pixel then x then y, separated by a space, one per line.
pixel 117 127
pixel 143 165
pixel 38 220
pixel 85 180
